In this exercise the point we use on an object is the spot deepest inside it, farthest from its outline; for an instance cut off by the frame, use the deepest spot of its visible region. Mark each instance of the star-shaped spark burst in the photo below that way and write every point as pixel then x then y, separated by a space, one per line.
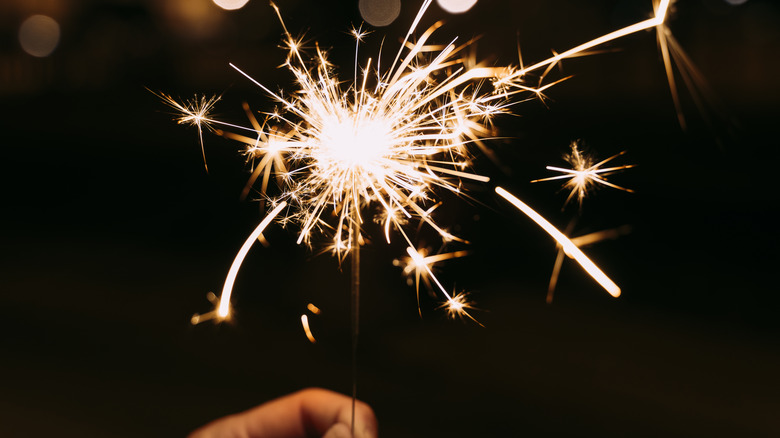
pixel 417 266
pixel 585 174
pixel 193 112
pixel 457 307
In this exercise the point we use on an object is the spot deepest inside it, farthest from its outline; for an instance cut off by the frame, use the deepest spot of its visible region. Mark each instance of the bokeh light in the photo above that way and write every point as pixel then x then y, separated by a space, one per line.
pixel 231 5
pixel 456 6
pixel 39 35
pixel 193 20
pixel 379 12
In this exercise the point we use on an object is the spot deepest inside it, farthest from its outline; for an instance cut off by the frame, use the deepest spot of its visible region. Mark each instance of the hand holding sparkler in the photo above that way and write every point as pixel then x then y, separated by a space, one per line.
pixel 311 413
pixel 381 145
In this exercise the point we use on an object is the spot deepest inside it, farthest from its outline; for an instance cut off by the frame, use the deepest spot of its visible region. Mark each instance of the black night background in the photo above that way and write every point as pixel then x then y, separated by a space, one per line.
pixel 112 233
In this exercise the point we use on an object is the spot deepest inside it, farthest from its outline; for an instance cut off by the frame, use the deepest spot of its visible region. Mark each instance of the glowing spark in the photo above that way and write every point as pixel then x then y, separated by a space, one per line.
pixel 313 309
pixel 227 289
pixel 306 329
pixel 198 318
pixel 598 236
pixel 581 241
pixel 584 174
pixel 192 112
pixel 570 249
pixel 223 306
pixel 673 55
pixel 418 264
pixel 515 79
pixel 457 307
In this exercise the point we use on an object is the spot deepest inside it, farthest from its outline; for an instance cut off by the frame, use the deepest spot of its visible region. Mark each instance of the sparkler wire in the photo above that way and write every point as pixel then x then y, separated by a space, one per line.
pixel 355 297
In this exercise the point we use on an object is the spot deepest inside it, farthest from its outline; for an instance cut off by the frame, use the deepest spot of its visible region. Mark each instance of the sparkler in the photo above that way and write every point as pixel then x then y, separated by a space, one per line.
pixel 386 142
pixel 384 146
pixel 343 150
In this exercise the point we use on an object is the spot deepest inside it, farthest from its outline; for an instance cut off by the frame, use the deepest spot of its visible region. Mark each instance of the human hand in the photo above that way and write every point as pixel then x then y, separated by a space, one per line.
pixel 309 413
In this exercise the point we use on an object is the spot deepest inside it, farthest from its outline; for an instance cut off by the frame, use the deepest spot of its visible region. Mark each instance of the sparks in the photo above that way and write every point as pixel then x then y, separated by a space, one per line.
pixel 570 248
pixel 418 266
pixel 195 112
pixel 388 144
pixel 383 145
pixel 307 329
pixel 579 242
pixel 458 305
pixel 584 175
pixel 376 148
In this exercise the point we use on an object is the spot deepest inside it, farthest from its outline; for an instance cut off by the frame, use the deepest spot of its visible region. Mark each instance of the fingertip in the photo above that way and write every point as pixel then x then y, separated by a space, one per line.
pixel 338 430
pixel 366 423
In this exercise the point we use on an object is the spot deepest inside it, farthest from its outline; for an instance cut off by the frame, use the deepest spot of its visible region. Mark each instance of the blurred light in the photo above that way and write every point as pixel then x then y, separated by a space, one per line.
pixel 39 35
pixel 456 6
pixel 379 12
pixel 231 5
pixel 735 2
pixel 190 19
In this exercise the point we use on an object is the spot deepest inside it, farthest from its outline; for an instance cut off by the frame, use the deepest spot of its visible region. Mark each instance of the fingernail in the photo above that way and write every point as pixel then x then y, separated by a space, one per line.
pixel 338 430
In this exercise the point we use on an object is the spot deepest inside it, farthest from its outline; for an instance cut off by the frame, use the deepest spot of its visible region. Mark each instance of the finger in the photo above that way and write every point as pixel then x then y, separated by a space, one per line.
pixel 306 413
pixel 322 409
pixel 339 430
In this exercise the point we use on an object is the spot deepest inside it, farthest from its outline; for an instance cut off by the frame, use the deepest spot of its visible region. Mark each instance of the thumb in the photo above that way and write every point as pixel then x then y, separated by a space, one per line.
pixel 338 430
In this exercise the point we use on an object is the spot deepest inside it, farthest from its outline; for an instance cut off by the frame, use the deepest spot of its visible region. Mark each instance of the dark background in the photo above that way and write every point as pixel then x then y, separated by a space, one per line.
pixel 113 233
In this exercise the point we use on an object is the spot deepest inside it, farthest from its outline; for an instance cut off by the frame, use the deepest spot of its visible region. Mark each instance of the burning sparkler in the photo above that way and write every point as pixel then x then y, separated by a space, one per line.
pixel 386 142
pixel 384 145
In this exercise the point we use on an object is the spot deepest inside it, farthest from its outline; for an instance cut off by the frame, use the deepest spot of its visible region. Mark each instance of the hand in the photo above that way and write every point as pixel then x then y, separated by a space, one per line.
pixel 309 413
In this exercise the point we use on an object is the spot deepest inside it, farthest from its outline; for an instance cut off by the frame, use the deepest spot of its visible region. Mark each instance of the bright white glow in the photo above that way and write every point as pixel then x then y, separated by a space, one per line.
pixel 39 35
pixel 351 145
pixel 231 5
pixel 379 12
pixel 456 6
